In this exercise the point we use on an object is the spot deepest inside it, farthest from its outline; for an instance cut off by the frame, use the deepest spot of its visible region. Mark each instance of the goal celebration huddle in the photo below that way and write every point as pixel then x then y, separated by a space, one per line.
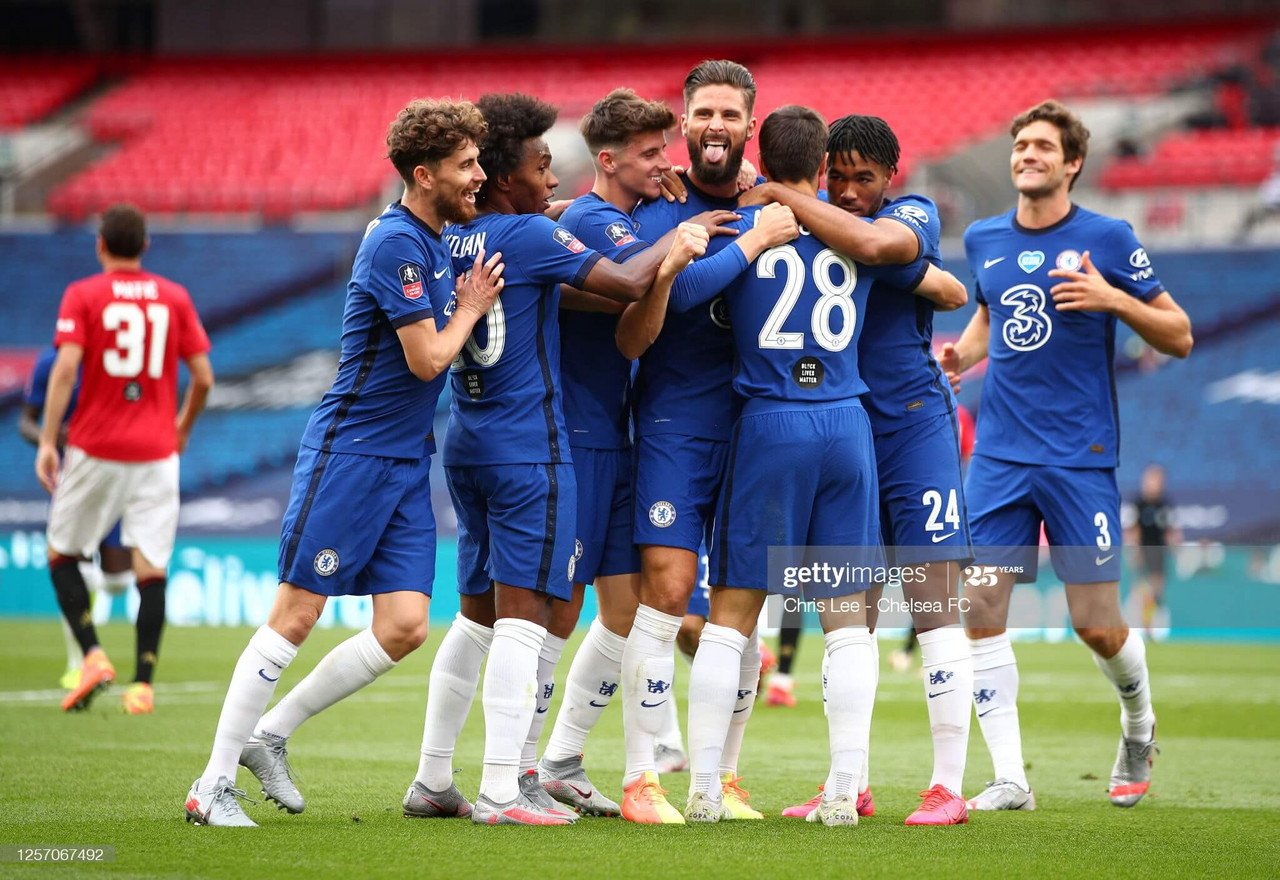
pixel 666 383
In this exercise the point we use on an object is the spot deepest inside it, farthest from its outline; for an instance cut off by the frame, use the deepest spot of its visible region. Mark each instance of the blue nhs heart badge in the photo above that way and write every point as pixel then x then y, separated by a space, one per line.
pixel 1030 261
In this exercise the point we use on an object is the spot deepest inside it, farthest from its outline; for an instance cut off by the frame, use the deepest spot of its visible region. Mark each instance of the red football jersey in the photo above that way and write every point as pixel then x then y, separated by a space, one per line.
pixel 133 326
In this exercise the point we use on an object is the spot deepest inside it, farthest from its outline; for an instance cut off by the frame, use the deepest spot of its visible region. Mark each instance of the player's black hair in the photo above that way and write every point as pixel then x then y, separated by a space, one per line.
pixel 721 73
pixel 868 136
pixel 427 131
pixel 124 231
pixel 792 140
pixel 513 119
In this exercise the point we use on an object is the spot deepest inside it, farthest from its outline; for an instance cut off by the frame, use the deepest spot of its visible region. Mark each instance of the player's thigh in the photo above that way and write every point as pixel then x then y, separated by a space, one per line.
pixel 339 507
pixel 469 491
pixel 677 484
pixel 1004 519
pixel 605 544
pixel 771 481
pixel 1081 508
pixel 404 558
pixel 150 521
pixel 922 493
pixel 89 497
pixel 532 519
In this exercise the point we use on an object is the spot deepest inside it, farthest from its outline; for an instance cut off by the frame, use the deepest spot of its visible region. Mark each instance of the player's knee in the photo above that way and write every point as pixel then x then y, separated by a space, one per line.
pixel 1102 639
pixel 688 637
pixel 58 560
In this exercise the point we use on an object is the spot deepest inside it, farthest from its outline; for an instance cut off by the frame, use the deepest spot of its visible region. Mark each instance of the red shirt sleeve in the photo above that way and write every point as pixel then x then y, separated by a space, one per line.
pixel 73 319
pixel 193 339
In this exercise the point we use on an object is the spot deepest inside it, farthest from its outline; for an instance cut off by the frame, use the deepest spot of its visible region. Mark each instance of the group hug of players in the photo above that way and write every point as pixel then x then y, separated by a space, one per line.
pixel 785 396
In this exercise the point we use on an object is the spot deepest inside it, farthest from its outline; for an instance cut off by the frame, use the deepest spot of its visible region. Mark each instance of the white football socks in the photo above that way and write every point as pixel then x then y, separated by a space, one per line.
pixel 1127 670
pixel 252 683
pixel 748 684
pixel 995 699
pixel 864 780
pixel 948 689
pixel 510 683
pixel 851 694
pixel 670 734
pixel 455 672
pixel 548 657
pixel 713 690
pixel 648 670
pixel 590 686
pixel 339 674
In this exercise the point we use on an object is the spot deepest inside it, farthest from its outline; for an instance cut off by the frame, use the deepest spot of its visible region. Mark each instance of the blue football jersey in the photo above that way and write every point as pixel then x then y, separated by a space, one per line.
pixel 376 405
pixel 797 312
pixel 684 384
pixel 1049 393
pixel 595 377
pixel 895 349
pixel 507 406
pixel 38 383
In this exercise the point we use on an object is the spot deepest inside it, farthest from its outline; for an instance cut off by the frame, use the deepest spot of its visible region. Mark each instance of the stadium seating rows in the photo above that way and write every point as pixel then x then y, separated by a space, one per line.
pixel 1237 157
pixel 282 136
pixel 32 88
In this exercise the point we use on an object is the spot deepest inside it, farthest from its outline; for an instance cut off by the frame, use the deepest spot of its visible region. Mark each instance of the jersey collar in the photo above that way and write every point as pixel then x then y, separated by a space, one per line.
pixel 397 205
pixel 1047 229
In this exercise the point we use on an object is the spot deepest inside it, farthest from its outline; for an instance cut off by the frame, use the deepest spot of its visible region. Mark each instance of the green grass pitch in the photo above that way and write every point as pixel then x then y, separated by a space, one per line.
pixel 103 778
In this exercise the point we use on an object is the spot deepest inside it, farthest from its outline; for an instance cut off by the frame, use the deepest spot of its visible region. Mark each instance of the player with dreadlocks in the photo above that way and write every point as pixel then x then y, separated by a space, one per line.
pixel 913 420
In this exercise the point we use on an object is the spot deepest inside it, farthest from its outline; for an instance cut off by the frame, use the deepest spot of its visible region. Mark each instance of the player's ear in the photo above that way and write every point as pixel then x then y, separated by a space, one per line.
pixel 423 177
pixel 684 125
pixel 751 128
pixel 822 170
pixel 764 168
pixel 605 158
pixel 501 181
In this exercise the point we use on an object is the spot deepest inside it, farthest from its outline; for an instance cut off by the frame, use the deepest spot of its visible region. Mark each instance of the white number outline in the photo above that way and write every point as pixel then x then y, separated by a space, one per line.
pixel 130 326
pixel 933 498
pixel 833 296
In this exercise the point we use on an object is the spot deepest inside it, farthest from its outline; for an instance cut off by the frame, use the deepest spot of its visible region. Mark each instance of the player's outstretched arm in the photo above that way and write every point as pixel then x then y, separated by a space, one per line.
pixel 628 282
pixel 705 279
pixel 958 357
pixel 62 379
pixel 197 394
pixel 943 289
pixel 1161 323
pixel 430 352
pixel 642 321
pixel 574 300
pixel 882 243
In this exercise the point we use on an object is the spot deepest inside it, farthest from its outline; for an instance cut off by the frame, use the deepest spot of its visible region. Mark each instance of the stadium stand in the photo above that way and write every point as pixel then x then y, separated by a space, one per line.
pixel 1214 157
pixel 32 88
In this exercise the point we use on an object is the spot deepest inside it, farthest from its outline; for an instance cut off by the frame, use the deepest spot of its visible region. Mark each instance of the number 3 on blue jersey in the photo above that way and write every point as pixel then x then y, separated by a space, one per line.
pixel 834 295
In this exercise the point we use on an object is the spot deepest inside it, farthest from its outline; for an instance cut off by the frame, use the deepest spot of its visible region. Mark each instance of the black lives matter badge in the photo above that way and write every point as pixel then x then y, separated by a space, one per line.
pixel 411 281
pixel 473 383
pixel 568 240
pixel 808 372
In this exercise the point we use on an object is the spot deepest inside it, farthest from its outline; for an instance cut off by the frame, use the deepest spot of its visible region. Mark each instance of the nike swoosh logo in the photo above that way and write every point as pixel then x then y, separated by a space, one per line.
pixel 582 794
pixel 987 264
pixel 266 677
pixel 652 705
pixel 597 705
pixel 1103 560
pixel 988 712
pixel 541 711
pixel 438 275
pixel 940 693
pixel 937 538
pixel 743 709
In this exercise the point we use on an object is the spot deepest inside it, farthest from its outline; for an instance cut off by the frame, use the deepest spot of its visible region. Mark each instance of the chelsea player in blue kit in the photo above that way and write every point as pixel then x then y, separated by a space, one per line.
pixel 511 476
pixel 1052 280
pixel 359 520
pixel 801 472
pixel 912 412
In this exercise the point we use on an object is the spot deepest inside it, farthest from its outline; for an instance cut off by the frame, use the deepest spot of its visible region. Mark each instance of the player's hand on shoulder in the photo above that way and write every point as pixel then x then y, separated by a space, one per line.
pixel 778 223
pixel 716 222
pixel 481 286
pixel 556 209
pixel 747 176
pixel 689 244
pixel 673 188
pixel 757 195
pixel 1083 290
pixel 47 466
pixel 949 360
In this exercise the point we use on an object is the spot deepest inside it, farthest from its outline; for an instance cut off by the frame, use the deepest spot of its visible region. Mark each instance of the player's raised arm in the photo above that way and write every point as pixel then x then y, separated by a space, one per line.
pixel 642 321
pixel 943 289
pixel 1161 323
pixel 884 242
pixel 430 352
pixel 62 379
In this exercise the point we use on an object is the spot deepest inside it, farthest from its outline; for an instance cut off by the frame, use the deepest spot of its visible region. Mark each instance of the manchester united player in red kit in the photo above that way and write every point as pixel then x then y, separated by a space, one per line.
pixel 128 327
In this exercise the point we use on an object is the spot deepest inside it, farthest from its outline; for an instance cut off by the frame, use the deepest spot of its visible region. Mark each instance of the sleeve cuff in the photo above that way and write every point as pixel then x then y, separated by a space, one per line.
pixel 630 251
pixel 411 318
pixel 585 269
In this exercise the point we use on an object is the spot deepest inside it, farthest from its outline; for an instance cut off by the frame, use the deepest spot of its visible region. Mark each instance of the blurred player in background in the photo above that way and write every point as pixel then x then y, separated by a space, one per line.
pixel 128 328
pixel 359 521
pixel 912 413
pixel 112 574
pixel 1052 280
pixel 511 477
pixel 1152 534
